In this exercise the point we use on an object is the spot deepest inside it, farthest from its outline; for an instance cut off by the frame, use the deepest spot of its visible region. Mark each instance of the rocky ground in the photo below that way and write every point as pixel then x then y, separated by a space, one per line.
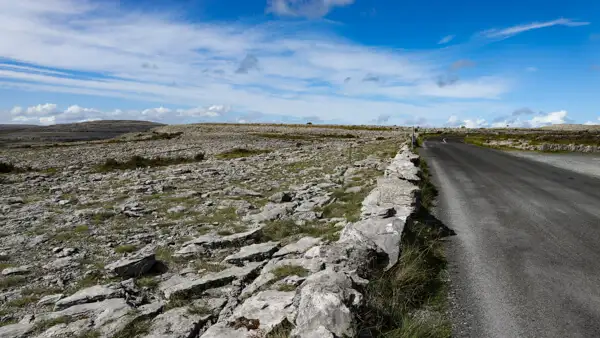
pixel 215 245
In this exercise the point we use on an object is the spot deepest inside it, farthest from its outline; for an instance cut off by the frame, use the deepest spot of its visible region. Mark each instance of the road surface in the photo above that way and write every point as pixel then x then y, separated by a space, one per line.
pixel 526 258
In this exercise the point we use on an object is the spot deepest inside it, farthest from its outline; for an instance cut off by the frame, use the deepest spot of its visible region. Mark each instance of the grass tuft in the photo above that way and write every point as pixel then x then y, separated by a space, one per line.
pixel 289 270
pixel 142 162
pixel 241 152
pixel 281 229
pixel 127 248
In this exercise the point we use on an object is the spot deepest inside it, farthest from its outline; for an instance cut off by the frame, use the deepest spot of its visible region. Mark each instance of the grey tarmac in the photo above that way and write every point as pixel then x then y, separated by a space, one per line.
pixel 526 258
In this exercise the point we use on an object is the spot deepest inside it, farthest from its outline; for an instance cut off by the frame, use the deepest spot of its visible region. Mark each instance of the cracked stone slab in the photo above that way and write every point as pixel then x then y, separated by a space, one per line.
pixel 88 295
pixel 200 244
pixel 191 288
pixel 253 253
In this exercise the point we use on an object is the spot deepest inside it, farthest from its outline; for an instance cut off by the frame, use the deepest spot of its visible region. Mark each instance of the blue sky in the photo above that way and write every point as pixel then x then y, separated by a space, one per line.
pixel 439 63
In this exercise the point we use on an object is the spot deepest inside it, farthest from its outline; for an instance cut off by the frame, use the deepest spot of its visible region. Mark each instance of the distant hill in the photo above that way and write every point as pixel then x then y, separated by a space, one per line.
pixel 11 134
pixel 7 127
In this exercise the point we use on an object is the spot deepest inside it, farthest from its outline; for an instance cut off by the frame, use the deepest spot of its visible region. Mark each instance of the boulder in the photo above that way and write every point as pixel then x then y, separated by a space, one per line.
pixel 325 302
pixel 21 270
pixel 135 265
pixel 281 197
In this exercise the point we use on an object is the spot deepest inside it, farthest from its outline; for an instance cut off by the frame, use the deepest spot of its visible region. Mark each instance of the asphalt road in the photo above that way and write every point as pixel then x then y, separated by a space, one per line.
pixel 526 258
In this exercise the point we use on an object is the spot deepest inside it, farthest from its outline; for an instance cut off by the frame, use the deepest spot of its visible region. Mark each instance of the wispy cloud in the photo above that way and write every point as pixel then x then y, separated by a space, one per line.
pixel 446 39
pixel 152 57
pixel 305 8
pixel 514 30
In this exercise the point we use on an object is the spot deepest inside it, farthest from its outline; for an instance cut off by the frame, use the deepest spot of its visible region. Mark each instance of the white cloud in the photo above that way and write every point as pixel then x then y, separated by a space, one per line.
pixel 558 117
pixel 446 39
pixel 305 8
pixel 477 123
pixel 593 123
pixel 514 121
pixel 212 111
pixel 40 110
pixel 50 114
pixel 194 64
pixel 514 30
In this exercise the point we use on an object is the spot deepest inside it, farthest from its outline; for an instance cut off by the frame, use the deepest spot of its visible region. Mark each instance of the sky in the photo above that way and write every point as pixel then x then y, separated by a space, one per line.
pixel 472 63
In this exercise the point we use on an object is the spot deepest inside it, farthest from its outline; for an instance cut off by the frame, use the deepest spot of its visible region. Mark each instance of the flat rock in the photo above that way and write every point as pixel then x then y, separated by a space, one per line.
pixel 224 330
pixel 299 247
pixel 191 288
pixel 72 329
pixel 212 241
pixel 253 253
pixel 62 263
pixel 133 266
pixel 237 191
pixel 271 212
pixel 269 307
pixel 19 330
pixel 92 294
pixel 110 308
pixel 50 299
pixel 176 323
pixel 110 323
pixel 21 270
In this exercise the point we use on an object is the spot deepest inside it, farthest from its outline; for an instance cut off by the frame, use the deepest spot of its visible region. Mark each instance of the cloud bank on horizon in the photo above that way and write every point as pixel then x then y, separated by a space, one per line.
pixel 284 61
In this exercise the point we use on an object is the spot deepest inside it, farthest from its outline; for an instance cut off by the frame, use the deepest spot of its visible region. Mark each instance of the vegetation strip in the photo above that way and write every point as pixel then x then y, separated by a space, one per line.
pixel 409 300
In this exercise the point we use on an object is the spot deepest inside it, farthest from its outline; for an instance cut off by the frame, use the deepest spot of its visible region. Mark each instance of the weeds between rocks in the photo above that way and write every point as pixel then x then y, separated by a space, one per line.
pixel 409 300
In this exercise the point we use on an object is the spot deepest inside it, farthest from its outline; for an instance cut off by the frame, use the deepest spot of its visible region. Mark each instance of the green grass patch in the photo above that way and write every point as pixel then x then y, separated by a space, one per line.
pixel 136 328
pixel 23 301
pixel 241 152
pixel 347 204
pixel 282 229
pixel 12 281
pixel 82 229
pixel 142 162
pixel 147 282
pixel 289 270
pixel 225 215
pixel 209 266
pixel 287 287
pixel 127 248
